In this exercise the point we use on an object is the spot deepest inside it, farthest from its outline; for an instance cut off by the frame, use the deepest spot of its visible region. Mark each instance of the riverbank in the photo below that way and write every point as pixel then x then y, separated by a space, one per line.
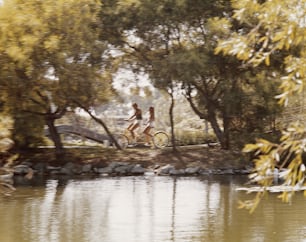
pixel 188 160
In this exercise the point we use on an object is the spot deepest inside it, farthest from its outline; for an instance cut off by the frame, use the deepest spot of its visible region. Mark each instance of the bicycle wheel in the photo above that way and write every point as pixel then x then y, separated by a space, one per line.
pixel 160 139
pixel 123 141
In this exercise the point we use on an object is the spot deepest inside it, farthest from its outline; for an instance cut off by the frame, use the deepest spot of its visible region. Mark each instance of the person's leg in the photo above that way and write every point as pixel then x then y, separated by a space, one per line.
pixel 132 133
pixel 132 130
pixel 147 134
pixel 127 131
pixel 130 126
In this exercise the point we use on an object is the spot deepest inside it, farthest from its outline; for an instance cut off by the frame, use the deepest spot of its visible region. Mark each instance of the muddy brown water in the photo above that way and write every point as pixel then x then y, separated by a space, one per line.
pixel 146 209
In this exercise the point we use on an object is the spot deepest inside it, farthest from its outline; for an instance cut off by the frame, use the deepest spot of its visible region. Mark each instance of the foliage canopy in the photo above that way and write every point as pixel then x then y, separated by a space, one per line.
pixel 174 41
pixel 275 28
pixel 50 54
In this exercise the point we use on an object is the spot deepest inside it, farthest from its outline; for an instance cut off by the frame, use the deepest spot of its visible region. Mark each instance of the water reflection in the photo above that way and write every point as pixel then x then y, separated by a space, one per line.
pixel 39 214
pixel 146 209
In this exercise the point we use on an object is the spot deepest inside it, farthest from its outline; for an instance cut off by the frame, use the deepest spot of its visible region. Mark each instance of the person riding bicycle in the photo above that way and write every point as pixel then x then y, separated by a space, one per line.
pixel 149 125
pixel 137 118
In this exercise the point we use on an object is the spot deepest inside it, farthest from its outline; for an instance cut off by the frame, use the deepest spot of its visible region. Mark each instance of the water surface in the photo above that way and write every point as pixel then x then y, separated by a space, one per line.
pixel 146 209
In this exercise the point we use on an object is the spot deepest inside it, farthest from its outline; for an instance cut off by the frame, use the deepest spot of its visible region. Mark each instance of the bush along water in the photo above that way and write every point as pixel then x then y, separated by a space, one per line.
pixel 6 159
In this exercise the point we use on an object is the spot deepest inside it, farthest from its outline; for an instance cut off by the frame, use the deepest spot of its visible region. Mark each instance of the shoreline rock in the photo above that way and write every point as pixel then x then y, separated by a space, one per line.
pixel 124 169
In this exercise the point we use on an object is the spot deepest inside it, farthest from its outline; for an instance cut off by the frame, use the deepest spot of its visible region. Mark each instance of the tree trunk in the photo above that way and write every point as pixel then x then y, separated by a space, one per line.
pixel 100 121
pixel 55 137
pixel 174 149
pixel 222 136
pixel 226 132
pixel 217 130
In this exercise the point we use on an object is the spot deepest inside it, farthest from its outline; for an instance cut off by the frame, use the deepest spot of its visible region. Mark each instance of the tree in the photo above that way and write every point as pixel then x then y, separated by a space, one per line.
pixel 6 159
pixel 155 36
pixel 175 45
pixel 275 29
pixel 51 55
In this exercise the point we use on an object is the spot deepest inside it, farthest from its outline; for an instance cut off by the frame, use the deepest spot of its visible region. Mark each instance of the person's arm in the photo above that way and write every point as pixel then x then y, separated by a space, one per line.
pixel 152 117
pixel 147 118
pixel 132 117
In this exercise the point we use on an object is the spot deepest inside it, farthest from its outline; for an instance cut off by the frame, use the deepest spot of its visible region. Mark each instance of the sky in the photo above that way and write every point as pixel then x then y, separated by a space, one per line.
pixel 126 79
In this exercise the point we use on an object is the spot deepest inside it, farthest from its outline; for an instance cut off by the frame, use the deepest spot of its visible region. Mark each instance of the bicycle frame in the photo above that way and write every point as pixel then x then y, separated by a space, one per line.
pixel 160 139
pixel 139 135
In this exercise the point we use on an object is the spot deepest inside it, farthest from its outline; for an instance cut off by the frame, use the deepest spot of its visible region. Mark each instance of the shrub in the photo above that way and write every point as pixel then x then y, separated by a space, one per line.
pixel 193 137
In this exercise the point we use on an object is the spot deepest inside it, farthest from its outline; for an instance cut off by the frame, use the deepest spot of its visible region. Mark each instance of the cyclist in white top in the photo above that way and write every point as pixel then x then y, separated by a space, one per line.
pixel 149 125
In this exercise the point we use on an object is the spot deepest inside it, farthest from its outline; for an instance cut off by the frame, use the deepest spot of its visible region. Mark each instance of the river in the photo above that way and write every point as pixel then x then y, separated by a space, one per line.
pixel 146 209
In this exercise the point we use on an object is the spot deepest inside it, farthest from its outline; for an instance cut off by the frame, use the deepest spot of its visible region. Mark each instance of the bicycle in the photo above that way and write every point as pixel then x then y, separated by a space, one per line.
pixel 160 138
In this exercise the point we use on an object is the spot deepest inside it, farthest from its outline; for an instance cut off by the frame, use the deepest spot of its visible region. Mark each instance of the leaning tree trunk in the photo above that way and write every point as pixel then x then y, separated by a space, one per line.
pixel 100 121
pixel 55 137
pixel 222 136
